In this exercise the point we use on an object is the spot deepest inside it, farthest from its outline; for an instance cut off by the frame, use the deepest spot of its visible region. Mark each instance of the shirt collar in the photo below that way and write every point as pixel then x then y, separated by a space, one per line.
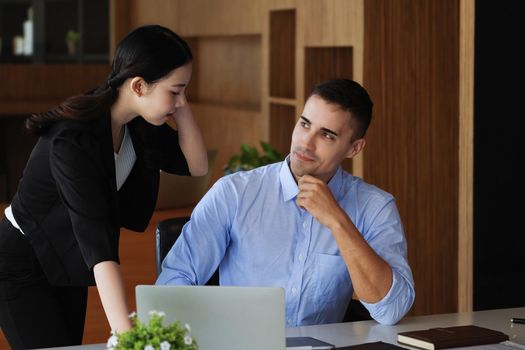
pixel 289 186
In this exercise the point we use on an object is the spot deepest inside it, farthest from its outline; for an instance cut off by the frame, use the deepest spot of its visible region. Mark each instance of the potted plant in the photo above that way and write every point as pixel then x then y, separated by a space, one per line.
pixel 153 335
pixel 251 159
pixel 72 38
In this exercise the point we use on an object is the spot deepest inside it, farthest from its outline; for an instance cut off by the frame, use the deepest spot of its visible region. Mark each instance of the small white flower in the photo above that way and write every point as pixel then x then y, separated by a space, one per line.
pixel 133 314
pixel 187 326
pixel 112 341
pixel 187 339
pixel 113 332
pixel 165 345
pixel 149 347
pixel 157 313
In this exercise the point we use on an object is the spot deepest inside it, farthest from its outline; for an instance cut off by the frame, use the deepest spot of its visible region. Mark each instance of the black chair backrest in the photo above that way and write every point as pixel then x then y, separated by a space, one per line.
pixel 170 229
pixel 166 234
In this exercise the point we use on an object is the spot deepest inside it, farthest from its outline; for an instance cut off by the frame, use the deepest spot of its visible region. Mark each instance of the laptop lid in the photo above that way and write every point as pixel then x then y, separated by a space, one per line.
pixel 220 317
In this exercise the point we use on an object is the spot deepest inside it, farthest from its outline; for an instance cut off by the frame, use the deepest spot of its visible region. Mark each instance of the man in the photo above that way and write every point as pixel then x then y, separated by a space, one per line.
pixel 304 224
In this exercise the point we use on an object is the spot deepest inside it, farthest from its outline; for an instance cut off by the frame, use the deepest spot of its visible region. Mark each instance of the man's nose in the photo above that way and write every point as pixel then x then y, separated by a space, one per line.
pixel 308 141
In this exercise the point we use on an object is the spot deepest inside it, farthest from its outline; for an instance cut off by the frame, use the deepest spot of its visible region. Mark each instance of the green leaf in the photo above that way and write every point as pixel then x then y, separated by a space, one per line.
pixel 250 158
pixel 154 333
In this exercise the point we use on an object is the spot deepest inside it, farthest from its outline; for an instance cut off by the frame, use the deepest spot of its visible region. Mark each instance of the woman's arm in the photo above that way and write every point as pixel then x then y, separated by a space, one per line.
pixel 191 142
pixel 112 294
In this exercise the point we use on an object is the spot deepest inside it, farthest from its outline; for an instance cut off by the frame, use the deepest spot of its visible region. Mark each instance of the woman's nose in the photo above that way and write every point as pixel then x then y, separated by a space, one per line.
pixel 180 101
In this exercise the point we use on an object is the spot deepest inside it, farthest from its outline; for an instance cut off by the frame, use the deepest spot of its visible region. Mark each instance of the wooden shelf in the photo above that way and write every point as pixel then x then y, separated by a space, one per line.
pixel 52 19
pixel 282 53
pixel 283 101
pixel 226 71
pixel 25 108
pixel 239 106
pixel 37 85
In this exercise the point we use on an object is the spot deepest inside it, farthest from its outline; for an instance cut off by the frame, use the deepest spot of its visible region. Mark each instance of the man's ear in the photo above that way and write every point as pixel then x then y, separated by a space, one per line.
pixel 138 86
pixel 356 147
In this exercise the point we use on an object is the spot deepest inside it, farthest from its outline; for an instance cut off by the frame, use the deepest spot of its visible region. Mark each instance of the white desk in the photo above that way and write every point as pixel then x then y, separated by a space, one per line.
pixel 350 333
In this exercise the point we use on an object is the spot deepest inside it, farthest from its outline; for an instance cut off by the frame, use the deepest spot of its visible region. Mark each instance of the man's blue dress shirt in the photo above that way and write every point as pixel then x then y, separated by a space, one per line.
pixel 249 224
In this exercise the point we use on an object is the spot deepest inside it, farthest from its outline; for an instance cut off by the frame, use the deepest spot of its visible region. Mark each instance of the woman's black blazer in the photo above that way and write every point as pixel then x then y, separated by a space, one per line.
pixel 67 202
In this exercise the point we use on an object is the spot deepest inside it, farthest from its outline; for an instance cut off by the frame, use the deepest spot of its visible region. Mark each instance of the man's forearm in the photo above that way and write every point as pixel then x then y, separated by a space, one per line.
pixel 371 275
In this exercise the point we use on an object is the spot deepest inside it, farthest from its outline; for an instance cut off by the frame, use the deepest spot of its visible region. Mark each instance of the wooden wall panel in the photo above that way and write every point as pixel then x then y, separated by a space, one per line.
pixel 282 123
pixel 163 12
pixel 45 84
pixel 322 63
pixel 466 156
pixel 225 129
pixel 119 17
pixel 227 71
pixel 200 17
pixel 332 22
pixel 282 53
pixel 220 17
pixel 411 72
pixel 281 4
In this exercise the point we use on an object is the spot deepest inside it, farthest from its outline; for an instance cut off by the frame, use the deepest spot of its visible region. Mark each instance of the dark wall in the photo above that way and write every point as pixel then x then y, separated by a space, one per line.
pixel 411 60
pixel 499 156
pixel 15 147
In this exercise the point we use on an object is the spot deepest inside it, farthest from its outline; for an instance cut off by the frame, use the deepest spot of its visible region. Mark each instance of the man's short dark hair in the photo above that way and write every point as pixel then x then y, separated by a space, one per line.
pixel 351 97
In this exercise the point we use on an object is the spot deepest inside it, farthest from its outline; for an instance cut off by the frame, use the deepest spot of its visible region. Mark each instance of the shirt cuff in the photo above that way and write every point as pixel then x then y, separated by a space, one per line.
pixel 395 304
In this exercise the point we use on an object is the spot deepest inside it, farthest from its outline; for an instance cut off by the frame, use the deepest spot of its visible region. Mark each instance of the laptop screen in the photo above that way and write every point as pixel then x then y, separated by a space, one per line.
pixel 234 318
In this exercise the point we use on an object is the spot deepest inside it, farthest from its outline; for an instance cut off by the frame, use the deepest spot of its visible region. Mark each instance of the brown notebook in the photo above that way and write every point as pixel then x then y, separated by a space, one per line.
pixel 451 337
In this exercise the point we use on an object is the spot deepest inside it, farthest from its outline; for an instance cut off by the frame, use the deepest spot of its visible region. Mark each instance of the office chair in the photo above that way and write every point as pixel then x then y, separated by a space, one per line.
pixel 170 229
pixel 166 234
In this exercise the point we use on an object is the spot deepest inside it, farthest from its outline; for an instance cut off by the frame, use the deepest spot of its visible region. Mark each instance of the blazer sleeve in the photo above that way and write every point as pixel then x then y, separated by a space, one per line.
pixel 85 188
pixel 160 145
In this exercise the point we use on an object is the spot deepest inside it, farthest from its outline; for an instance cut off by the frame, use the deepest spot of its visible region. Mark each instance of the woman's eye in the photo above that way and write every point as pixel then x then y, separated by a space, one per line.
pixel 305 125
pixel 175 93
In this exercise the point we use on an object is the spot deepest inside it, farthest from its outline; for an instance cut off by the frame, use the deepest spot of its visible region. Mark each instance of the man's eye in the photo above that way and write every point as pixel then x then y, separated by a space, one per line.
pixel 328 136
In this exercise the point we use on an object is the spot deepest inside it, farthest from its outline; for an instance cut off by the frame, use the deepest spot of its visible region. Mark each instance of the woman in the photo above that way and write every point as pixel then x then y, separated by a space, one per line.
pixel 94 169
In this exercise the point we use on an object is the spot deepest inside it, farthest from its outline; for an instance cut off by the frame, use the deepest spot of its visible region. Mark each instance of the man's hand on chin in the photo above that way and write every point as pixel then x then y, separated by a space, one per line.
pixel 316 197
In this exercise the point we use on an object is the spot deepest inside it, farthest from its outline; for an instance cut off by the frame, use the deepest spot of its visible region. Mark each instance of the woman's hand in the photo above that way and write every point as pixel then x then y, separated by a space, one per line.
pixel 191 141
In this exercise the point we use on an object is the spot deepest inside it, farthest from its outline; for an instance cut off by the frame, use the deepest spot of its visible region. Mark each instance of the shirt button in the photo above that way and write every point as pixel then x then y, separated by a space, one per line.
pixel 294 290
pixel 301 257
pixel 289 321
pixel 305 224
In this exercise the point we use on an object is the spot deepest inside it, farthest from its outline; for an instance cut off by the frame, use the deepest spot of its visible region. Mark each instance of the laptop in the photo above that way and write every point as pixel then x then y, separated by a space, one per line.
pixel 220 317
pixel 183 191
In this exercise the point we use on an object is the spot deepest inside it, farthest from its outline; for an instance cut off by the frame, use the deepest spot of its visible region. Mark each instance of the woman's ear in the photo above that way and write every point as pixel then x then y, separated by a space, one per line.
pixel 138 86
pixel 356 147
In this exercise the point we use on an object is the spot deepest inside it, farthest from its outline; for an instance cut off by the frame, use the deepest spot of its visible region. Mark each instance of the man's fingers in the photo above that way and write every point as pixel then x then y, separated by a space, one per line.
pixel 308 179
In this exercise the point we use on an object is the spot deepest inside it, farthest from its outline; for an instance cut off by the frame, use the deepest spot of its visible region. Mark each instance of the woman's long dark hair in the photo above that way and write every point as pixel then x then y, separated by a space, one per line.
pixel 150 52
